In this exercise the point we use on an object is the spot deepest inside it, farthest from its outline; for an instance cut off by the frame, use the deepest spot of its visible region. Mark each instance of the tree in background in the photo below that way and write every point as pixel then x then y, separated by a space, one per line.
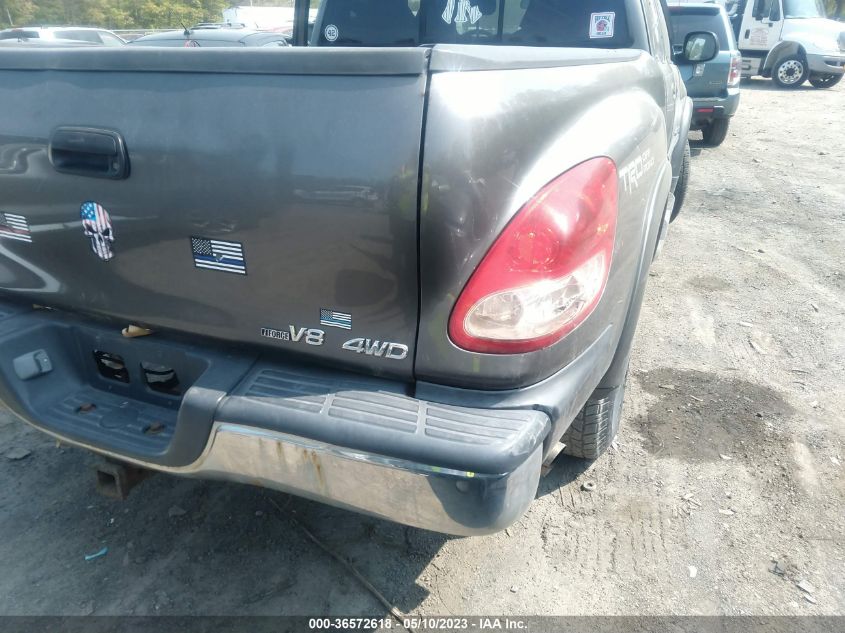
pixel 118 14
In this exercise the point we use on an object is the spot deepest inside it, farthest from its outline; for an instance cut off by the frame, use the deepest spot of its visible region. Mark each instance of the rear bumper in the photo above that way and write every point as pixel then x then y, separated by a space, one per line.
pixel 705 110
pixel 826 64
pixel 355 442
pixel 430 497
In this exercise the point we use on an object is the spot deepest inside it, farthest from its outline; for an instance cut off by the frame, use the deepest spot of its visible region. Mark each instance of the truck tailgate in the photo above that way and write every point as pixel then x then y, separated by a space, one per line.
pixel 269 194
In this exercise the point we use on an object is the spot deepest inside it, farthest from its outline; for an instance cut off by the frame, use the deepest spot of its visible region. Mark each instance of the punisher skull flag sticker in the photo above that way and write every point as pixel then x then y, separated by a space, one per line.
pixel 601 24
pixel 96 224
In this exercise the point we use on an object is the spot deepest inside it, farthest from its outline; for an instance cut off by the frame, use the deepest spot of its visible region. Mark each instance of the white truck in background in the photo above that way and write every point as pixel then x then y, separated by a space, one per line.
pixel 791 41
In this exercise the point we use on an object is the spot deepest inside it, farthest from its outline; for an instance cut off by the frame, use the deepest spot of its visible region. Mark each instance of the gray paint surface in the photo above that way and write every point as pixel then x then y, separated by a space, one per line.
pixel 315 171
pixel 367 182
pixel 323 202
pixel 493 139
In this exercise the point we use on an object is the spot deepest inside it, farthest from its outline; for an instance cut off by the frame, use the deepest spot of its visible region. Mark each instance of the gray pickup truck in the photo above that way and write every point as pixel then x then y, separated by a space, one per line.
pixel 395 267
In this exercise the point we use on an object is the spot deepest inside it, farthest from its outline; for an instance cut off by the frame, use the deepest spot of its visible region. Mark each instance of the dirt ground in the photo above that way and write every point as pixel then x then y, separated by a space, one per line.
pixel 731 455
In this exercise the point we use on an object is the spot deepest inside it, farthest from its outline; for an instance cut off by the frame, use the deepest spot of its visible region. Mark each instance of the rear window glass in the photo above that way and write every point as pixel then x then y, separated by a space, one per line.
pixel 682 24
pixel 79 36
pixel 567 23
pixel 16 35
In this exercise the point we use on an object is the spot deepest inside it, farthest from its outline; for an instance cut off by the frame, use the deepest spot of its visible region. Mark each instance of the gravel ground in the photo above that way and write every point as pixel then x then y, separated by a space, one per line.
pixel 730 457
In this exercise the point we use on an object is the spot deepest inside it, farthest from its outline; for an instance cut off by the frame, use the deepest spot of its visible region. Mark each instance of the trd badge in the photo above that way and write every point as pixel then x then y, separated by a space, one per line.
pixel 96 224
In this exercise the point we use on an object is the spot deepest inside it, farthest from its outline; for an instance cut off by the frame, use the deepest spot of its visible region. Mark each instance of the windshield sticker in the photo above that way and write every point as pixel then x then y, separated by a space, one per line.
pixel 466 12
pixel 15 227
pixel 331 32
pixel 601 24
pixel 96 225
pixel 227 257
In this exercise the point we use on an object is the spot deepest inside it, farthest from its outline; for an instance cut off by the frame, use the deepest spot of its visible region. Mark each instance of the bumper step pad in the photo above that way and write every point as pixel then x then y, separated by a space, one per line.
pixel 132 425
pixel 375 416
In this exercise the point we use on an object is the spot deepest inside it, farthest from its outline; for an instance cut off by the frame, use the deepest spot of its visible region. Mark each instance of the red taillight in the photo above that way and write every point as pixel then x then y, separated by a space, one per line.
pixel 547 270
pixel 735 73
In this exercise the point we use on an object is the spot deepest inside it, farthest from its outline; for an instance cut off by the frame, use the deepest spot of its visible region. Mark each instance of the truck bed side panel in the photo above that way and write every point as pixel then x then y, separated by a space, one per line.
pixel 495 138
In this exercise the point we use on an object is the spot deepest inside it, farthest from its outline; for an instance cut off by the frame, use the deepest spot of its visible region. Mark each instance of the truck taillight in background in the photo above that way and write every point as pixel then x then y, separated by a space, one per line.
pixel 735 73
pixel 547 270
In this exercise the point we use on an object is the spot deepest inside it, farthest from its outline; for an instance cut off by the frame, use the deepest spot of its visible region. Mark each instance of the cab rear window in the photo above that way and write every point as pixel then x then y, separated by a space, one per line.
pixel 79 36
pixel 565 23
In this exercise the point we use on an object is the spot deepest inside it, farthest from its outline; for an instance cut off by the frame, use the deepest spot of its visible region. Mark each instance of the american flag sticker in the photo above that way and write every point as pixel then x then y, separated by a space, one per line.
pixel 15 227
pixel 330 318
pixel 219 255
pixel 96 225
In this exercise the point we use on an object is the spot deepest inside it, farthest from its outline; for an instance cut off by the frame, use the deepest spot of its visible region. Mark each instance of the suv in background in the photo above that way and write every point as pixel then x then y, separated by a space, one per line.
pixel 714 85
pixel 101 37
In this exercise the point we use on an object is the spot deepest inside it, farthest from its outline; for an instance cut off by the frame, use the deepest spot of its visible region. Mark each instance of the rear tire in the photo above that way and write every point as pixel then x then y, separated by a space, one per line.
pixel 594 428
pixel 681 186
pixel 790 72
pixel 715 132
pixel 825 81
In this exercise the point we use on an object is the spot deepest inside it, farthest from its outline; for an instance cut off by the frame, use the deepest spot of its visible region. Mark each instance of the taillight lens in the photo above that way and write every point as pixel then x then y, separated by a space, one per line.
pixel 547 270
pixel 736 70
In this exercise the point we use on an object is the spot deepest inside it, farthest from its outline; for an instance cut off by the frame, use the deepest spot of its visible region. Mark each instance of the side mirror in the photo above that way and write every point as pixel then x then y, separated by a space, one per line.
pixel 774 15
pixel 699 47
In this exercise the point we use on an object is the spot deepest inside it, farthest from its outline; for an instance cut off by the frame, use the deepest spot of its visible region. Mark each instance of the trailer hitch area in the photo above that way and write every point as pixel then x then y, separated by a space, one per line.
pixel 115 479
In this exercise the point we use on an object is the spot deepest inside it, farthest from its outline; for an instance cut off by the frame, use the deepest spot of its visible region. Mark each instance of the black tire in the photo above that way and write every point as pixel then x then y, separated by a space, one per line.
pixel 683 183
pixel 715 132
pixel 790 72
pixel 592 431
pixel 825 81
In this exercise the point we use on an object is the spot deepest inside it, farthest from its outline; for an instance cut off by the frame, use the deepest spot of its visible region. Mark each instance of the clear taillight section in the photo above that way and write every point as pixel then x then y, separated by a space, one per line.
pixel 547 270
pixel 735 73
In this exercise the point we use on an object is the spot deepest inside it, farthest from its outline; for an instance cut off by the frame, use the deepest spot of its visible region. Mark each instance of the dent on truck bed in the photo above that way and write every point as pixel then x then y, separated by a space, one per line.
pixel 555 118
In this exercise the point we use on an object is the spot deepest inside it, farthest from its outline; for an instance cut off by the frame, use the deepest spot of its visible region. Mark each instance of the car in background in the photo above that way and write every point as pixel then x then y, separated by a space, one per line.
pixel 25 43
pixel 713 85
pixel 206 35
pixel 59 34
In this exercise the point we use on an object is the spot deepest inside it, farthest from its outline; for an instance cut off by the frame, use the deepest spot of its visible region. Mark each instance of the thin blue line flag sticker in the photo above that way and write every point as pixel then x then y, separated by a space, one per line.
pixel 227 257
pixel 330 318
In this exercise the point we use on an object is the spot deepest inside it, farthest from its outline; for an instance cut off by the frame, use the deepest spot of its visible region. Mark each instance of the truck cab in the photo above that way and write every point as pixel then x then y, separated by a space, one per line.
pixel 791 41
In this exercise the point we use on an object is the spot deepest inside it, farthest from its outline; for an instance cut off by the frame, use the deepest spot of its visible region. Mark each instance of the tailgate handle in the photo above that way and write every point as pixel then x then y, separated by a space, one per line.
pixel 89 152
